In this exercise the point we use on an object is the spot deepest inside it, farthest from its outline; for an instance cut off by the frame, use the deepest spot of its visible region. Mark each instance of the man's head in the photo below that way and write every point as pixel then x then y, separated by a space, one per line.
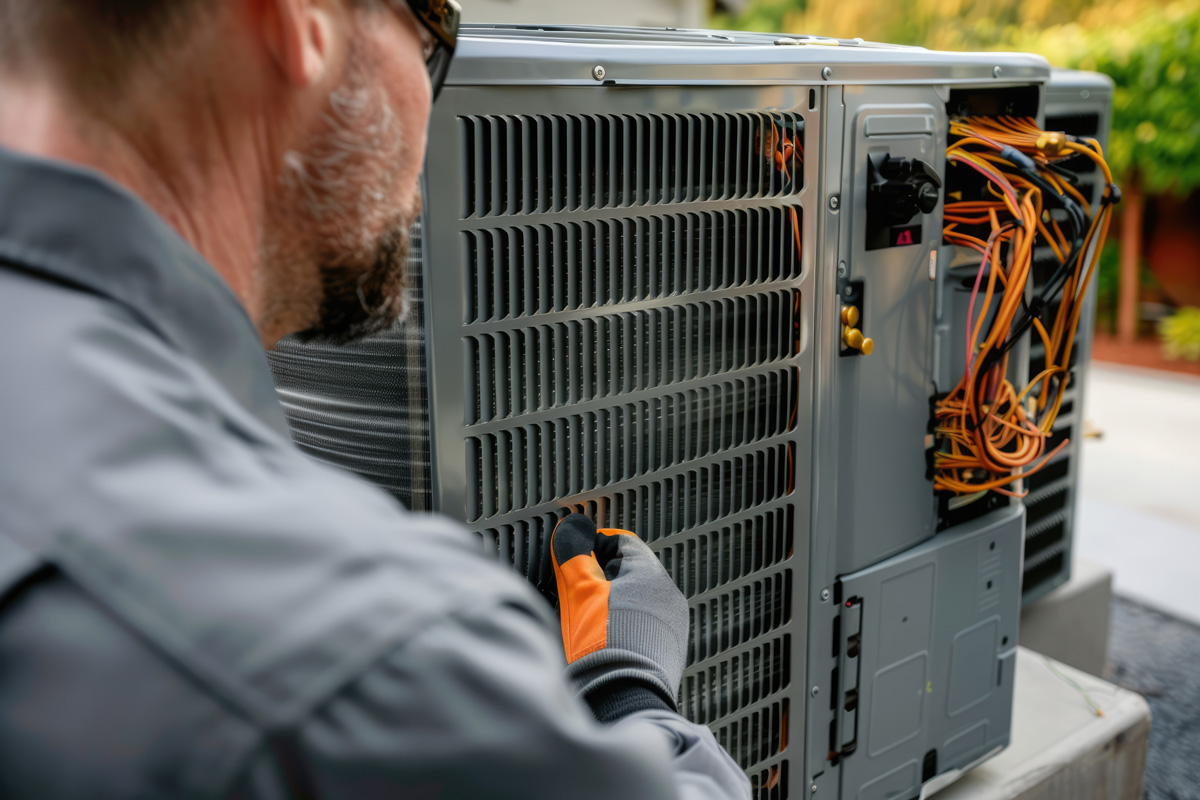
pixel 308 116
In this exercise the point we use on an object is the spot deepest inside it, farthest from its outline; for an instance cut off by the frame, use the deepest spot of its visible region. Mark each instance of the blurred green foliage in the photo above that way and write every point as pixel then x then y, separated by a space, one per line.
pixel 1181 334
pixel 1153 57
pixel 1151 50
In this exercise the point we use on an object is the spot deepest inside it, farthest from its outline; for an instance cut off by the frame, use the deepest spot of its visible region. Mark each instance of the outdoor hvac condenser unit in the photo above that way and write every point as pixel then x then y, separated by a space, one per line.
pixel 630 280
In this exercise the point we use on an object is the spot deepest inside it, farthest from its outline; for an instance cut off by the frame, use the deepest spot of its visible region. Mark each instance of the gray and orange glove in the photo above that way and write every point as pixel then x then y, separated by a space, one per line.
pixel 624 622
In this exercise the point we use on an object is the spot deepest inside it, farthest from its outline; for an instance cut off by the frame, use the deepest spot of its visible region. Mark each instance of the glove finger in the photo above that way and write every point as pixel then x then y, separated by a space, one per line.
pixel 574 535
pixel 610 550
pixel 583 590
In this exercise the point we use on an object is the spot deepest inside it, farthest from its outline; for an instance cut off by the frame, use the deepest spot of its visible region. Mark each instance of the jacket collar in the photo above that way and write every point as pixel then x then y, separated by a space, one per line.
pixel 76 226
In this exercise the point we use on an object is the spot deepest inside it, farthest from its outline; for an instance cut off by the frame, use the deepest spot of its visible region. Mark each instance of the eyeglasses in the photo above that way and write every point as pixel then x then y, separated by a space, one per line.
pixel 441 19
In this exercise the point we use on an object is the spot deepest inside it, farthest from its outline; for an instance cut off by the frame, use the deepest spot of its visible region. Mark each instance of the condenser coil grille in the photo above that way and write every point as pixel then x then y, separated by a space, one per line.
pixel 538 164
pixel 644 366
pixel 364 407
pixel 567 266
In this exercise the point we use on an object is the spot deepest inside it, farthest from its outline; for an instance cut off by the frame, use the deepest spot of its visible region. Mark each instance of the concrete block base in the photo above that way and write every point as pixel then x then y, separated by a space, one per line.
pixel 1070 624
pixel 1061 748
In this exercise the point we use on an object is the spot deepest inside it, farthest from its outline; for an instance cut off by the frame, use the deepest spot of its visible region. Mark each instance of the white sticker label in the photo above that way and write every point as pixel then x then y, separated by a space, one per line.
pixel 933 265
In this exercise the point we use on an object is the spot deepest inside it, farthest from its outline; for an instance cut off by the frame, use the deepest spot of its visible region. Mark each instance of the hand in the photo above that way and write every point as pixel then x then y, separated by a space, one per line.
pixel 624 622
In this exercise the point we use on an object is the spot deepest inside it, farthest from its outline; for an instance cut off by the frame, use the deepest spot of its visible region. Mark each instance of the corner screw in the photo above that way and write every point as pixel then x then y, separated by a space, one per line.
pixel 598 72
pixel 834 202
pixel 825 592
pixel 813 788
pixel 816 690
pixel 996 72
pixel 827 73
pixel 842 271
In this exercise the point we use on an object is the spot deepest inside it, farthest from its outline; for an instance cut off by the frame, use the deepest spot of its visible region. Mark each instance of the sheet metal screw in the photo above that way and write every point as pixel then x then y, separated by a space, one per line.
pixel 827 73
pixel 825 592
pixel 813 788
pixel 598 72
pixel 1085 94
pixel 834 202
pixel 841 274
pixel 816 690
pixel 849 290
pixel 996 71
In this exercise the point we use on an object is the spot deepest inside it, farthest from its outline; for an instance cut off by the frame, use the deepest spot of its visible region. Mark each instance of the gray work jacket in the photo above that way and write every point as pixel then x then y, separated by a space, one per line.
pixel 192 608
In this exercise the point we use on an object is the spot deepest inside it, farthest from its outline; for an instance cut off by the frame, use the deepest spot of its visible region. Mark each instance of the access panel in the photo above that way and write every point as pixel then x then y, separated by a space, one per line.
pixel 928 644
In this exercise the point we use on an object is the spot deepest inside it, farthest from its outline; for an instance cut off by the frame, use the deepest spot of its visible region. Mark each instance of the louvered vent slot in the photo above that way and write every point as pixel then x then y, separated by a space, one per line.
pixel 1080 123
pixel 1039 571
pixel 537 368
pixel 1054 500
pixel 745 677
pixel 1048 475
pixel 734 617
pixel 756 737
pixel 770 782
pixel 545 461
pixel 522 545
pixel 538 164
pixel 1045 535
pixel 711 559
pixel 701 496
pixel 540 269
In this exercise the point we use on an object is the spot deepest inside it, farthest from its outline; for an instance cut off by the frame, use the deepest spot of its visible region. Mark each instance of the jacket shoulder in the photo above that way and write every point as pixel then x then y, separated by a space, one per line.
pixel 271 578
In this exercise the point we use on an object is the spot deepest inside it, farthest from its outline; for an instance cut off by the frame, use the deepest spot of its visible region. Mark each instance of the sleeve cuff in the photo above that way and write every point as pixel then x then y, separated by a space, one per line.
pixel 619 699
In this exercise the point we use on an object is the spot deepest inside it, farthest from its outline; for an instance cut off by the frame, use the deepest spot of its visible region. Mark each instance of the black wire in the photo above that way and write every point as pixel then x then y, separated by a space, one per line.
pixel 1078 229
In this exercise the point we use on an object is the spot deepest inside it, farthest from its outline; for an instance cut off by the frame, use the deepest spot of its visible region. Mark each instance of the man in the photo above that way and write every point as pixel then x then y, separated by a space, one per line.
pixel 189 608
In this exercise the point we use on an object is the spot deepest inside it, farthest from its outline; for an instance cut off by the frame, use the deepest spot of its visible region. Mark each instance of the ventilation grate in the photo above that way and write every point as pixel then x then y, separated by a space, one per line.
pixel 538 164
pixel 770 782
pixel 364 406
pixel 738 615
pixel 1079 123
pixel 644 367
pixel 747 676
pixel 1047 534
pixel 701 496
pixel 522 545
pixel 537 368
pixel 568 455
pixel 757 736
pixel 539 269
pixel 710 559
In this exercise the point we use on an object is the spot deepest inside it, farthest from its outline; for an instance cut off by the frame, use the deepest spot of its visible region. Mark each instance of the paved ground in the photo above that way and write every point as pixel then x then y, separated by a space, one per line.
pixel 1159 656
pixel 1140 516
pixel 1140 485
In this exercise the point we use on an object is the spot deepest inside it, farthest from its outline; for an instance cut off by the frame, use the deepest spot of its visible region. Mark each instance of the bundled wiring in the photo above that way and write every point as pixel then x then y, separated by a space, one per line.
pixel 990 435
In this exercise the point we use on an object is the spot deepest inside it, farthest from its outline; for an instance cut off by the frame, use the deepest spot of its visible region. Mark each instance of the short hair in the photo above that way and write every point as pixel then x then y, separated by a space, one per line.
pixel 90 45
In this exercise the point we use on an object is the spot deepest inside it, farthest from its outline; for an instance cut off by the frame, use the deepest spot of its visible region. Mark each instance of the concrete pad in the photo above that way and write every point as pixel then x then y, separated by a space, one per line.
pixel 1070 624
pixel 1060 747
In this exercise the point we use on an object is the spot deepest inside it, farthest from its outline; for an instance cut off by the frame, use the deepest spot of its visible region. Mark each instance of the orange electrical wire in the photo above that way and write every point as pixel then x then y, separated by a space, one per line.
pixel 990 435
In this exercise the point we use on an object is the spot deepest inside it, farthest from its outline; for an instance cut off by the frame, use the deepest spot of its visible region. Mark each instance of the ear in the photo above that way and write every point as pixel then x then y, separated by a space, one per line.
pixel 300 37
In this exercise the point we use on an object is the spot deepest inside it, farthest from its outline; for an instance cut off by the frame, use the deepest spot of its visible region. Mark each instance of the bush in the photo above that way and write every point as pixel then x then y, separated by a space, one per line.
pixel 1181 334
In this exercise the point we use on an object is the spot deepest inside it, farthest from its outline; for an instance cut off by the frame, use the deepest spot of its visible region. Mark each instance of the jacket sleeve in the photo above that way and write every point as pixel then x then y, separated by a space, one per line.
pixel 475 706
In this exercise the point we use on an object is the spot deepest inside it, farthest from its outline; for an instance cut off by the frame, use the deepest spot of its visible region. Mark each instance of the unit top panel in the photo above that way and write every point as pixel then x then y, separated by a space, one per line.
pixel 571 55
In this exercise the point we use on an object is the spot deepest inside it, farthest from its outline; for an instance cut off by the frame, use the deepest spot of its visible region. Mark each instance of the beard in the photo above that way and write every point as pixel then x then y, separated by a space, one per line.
pixel 337 237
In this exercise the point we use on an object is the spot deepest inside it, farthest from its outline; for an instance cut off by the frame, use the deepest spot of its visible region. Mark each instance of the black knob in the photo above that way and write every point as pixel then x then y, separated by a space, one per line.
pixel 901 188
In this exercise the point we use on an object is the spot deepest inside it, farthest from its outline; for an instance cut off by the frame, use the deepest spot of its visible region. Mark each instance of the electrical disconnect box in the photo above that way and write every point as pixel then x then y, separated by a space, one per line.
pixel 696 285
